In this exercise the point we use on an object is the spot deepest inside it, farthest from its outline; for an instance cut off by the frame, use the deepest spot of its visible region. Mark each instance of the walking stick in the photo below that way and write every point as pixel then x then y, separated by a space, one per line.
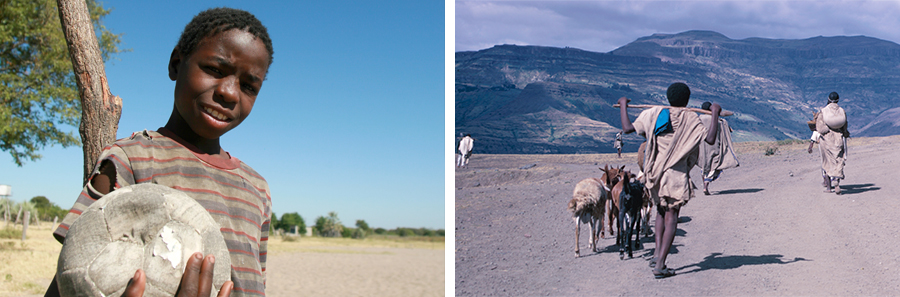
pixel 723 113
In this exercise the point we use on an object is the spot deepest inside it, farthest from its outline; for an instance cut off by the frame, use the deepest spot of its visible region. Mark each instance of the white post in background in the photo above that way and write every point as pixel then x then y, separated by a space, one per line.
pixel 5 192
pixel 25 225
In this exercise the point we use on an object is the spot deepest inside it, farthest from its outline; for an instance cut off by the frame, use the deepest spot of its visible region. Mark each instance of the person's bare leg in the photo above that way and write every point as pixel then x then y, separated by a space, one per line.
pixel 668 237
pixel 658 237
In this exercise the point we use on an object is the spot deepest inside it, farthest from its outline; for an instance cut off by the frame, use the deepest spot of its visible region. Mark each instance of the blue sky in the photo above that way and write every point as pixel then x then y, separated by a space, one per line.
pixel 603 26
pixel 350 118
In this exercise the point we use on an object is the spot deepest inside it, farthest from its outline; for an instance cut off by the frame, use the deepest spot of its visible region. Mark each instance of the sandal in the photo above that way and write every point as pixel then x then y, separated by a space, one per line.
pixel 652 262
pixel 663 273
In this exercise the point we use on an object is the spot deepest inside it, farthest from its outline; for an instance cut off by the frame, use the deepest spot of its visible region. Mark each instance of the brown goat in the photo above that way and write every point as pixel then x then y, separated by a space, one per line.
pixel 611 178
pixel 647 207
pixel 586 206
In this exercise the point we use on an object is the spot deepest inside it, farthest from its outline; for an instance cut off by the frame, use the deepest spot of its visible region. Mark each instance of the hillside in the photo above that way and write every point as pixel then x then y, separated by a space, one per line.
pixel 533 99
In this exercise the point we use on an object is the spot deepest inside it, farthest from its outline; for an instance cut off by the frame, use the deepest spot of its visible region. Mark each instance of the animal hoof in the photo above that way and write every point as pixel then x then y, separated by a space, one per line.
pixel 837 190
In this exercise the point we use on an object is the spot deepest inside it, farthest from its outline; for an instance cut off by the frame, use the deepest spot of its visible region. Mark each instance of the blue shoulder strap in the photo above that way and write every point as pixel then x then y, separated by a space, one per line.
pixel 663 123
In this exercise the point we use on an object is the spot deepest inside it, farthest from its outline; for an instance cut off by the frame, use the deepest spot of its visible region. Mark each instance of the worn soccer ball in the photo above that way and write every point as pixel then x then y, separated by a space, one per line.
pixel 147 226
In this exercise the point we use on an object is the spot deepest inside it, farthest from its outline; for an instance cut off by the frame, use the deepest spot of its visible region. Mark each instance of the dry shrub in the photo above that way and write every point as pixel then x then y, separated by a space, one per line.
pixel 11 233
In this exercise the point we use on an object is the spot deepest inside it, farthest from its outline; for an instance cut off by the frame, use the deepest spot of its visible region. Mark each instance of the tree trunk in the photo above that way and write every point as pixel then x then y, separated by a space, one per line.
pixel 100 109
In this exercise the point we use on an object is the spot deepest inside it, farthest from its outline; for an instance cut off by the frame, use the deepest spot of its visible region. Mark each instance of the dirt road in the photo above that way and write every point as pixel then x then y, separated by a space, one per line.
pixel 768 229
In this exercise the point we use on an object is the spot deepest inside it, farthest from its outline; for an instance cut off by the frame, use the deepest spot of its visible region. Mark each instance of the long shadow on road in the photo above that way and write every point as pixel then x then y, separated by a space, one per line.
pixel 717 261
pixel 738 191
pixel 858 188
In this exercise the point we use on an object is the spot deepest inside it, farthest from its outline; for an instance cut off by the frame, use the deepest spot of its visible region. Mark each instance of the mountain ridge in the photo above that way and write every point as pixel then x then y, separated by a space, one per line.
pixel 506 94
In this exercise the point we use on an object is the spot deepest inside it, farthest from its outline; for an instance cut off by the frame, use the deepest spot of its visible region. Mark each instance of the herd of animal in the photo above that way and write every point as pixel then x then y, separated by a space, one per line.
pixel 616 196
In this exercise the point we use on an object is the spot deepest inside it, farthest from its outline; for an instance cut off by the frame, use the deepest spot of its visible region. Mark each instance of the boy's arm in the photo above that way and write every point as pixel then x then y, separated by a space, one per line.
pixel 263 247
pixel 627 127
pixel 713 130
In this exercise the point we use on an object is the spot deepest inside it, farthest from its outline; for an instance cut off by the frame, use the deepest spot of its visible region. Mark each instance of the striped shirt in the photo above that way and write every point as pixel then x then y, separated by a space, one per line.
pixel 235 195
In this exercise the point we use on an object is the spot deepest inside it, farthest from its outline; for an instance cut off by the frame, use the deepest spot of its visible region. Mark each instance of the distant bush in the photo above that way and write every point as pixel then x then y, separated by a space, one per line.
pixel 289 221
pixel 329 226
pixel 404 232
pixel 790 141
pixel 11 233
pixel 347 232
pixel 358 233
pixel 771 150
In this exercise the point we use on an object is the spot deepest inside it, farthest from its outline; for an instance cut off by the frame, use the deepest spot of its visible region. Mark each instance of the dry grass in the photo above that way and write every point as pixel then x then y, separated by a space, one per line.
pixel 348 245
pixel 27 267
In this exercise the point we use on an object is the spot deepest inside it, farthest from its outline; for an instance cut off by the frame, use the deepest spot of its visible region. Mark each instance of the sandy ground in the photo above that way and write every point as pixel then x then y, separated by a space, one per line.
pixel 308 267
pixel 767 230
pixel 356 271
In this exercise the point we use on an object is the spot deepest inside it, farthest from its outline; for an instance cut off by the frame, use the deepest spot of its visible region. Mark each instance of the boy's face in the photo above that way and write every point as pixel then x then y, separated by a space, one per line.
pixel 217 84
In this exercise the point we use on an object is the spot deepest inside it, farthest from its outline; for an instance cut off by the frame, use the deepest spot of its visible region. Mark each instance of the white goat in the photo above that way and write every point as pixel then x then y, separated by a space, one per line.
pixel 588 207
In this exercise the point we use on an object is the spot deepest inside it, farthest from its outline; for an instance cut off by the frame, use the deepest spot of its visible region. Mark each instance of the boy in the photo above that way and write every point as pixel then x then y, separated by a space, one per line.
pixel 673 136
pixel 718 156
pixel 218 67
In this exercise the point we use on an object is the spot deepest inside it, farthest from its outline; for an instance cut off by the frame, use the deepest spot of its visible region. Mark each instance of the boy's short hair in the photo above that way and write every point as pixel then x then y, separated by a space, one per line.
pixel 833 97
pixel 216 20
pixel 678 94
pixel 706 105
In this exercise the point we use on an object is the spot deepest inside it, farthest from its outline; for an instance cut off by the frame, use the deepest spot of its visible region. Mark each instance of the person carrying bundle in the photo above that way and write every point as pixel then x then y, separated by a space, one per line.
pixel 831 134
pixel 717 156
pixel 673 136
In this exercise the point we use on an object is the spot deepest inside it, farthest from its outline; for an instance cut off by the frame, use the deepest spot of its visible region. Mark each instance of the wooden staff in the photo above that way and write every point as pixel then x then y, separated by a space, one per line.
pixel 722 113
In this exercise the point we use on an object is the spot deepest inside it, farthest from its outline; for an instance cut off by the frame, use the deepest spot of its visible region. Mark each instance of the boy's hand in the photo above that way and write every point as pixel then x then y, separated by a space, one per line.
pixel 196 281
pixel 715 108
pixel 623 101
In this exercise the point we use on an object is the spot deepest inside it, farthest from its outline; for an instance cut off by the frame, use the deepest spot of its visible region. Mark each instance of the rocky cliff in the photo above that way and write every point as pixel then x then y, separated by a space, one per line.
pixel 533 99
